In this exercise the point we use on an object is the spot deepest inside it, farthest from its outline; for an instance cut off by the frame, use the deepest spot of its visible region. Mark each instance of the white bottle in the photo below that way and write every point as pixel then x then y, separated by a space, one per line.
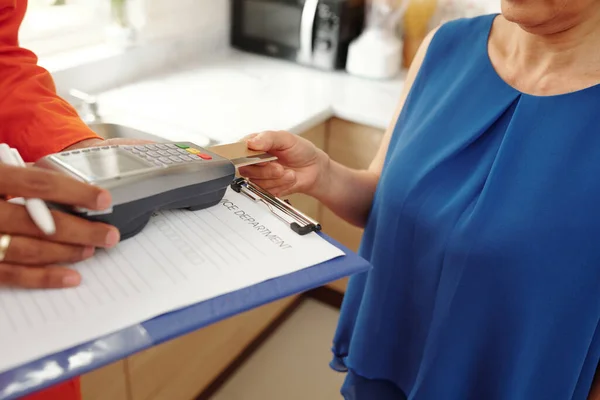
pixel 377 52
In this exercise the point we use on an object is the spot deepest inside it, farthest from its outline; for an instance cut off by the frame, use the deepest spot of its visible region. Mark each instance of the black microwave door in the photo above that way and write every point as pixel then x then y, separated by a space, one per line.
pixel 270 27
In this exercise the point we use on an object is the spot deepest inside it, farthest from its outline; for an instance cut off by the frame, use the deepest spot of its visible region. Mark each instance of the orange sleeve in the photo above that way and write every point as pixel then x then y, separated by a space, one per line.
pixel 33 118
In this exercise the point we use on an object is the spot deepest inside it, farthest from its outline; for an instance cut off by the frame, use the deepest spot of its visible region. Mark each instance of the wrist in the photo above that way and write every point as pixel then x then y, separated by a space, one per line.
pixel 323 183
pixel 85 143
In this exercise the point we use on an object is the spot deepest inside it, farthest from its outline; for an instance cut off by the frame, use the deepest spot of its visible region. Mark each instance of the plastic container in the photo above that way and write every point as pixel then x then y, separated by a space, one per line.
pixel 377 52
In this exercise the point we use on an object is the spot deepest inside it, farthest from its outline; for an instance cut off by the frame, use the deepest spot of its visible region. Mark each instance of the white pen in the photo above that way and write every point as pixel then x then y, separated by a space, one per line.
pixel 37 208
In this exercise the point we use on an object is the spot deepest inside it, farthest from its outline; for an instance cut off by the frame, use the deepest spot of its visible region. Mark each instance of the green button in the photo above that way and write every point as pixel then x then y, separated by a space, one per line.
pixel 182 146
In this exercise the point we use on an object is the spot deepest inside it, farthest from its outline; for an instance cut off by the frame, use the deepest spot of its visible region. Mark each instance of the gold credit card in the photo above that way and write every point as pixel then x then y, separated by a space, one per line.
pixel 259 158
pixel 240 155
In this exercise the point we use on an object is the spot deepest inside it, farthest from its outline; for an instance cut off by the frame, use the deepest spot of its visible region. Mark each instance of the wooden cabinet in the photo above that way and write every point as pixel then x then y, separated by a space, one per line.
pixel 109 382
pixel 182 368
pixel 352 144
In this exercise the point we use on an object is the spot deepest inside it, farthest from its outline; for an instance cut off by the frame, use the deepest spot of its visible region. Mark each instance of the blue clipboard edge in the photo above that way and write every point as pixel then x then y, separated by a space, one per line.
pixel 78 360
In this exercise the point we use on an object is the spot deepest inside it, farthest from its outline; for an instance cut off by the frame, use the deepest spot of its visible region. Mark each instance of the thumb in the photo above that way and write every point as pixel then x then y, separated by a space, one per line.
pixel 270 141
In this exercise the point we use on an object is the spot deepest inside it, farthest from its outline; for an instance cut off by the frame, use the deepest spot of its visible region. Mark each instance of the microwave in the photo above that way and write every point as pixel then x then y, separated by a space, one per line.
pixel 314 33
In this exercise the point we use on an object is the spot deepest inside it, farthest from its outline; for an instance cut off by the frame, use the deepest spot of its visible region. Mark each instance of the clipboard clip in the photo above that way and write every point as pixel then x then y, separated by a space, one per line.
pixel 298 221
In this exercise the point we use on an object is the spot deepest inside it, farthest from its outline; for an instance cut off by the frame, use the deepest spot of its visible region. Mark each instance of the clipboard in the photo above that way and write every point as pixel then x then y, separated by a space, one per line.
pixel 86 357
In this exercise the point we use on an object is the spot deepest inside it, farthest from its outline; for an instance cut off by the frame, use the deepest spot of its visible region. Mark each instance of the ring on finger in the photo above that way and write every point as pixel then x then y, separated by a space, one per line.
pixel 4 244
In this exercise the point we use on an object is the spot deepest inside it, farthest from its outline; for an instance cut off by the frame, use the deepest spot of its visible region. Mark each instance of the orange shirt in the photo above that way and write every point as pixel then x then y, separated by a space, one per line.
pixel 33 118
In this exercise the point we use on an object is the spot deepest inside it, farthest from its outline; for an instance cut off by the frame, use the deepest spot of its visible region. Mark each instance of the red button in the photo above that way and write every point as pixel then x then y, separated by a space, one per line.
pixel 204 156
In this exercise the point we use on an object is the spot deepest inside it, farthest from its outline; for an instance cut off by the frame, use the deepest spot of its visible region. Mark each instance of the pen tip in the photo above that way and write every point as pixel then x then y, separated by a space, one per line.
pixel 49 232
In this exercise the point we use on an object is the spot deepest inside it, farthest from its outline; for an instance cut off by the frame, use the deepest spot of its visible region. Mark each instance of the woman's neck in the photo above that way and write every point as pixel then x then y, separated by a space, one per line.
pixel 575 47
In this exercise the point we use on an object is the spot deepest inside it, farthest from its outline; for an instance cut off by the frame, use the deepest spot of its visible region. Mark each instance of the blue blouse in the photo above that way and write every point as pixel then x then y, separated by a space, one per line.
pixel 484 235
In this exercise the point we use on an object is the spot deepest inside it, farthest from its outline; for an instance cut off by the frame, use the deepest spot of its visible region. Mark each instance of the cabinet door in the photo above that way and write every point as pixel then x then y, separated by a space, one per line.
pixel 355 146
pixel 182 368
pixel 109 382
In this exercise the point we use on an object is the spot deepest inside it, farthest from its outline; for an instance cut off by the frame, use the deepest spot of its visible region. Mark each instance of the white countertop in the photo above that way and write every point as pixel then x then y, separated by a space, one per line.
pixel 236 94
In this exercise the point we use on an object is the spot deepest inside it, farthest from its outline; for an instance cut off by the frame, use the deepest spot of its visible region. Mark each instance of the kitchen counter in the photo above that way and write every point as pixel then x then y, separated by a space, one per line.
pixel 235 94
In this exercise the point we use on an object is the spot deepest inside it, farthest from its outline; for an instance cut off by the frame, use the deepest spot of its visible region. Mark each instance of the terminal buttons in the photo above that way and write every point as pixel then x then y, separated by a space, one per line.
pixel 168 153
pixel 193 151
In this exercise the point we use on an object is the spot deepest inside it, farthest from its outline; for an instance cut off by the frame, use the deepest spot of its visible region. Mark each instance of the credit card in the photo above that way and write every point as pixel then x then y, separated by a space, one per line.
pixel 260 158
pixel 240 155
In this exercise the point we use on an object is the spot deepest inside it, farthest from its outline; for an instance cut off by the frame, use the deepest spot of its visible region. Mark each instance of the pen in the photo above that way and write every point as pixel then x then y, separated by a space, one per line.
pixel 37 209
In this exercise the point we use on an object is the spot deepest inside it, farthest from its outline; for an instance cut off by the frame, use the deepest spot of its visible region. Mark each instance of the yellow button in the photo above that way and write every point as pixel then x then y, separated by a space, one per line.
pixel 193 151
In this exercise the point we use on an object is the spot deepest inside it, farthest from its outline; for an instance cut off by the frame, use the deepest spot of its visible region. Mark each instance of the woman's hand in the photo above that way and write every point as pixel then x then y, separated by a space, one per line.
pixel 30 259
pixel 301 166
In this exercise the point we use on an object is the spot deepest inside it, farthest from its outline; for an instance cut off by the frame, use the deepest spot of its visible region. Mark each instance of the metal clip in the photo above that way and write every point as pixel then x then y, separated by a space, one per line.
pixel 298 221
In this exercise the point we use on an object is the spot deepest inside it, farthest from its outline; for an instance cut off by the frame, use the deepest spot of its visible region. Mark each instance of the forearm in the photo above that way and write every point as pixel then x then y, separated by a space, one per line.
pixel 348 192
pixel 34 119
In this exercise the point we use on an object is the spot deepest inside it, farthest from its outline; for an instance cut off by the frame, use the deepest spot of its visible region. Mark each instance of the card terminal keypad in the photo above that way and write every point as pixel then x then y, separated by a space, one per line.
pixel 168 153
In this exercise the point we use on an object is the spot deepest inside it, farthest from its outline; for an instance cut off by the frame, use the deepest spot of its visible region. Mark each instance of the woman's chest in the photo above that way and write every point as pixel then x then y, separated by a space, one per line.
pixel 523 184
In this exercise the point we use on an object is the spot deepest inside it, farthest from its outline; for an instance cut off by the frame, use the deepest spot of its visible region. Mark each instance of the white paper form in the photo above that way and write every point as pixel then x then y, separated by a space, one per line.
pixel 179 259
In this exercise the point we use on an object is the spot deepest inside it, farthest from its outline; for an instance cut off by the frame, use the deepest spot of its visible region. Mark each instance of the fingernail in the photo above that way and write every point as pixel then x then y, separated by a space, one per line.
pixel 103 201
pixel 256 140
pixel 112 238
pixel 71 280
pixel 88 252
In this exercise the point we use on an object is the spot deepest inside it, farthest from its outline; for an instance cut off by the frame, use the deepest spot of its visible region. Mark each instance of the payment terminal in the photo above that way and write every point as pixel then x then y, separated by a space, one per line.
pixel 144 179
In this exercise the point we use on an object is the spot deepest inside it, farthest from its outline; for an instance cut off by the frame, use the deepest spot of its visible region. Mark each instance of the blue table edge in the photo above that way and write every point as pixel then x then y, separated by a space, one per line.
pixel 78 360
